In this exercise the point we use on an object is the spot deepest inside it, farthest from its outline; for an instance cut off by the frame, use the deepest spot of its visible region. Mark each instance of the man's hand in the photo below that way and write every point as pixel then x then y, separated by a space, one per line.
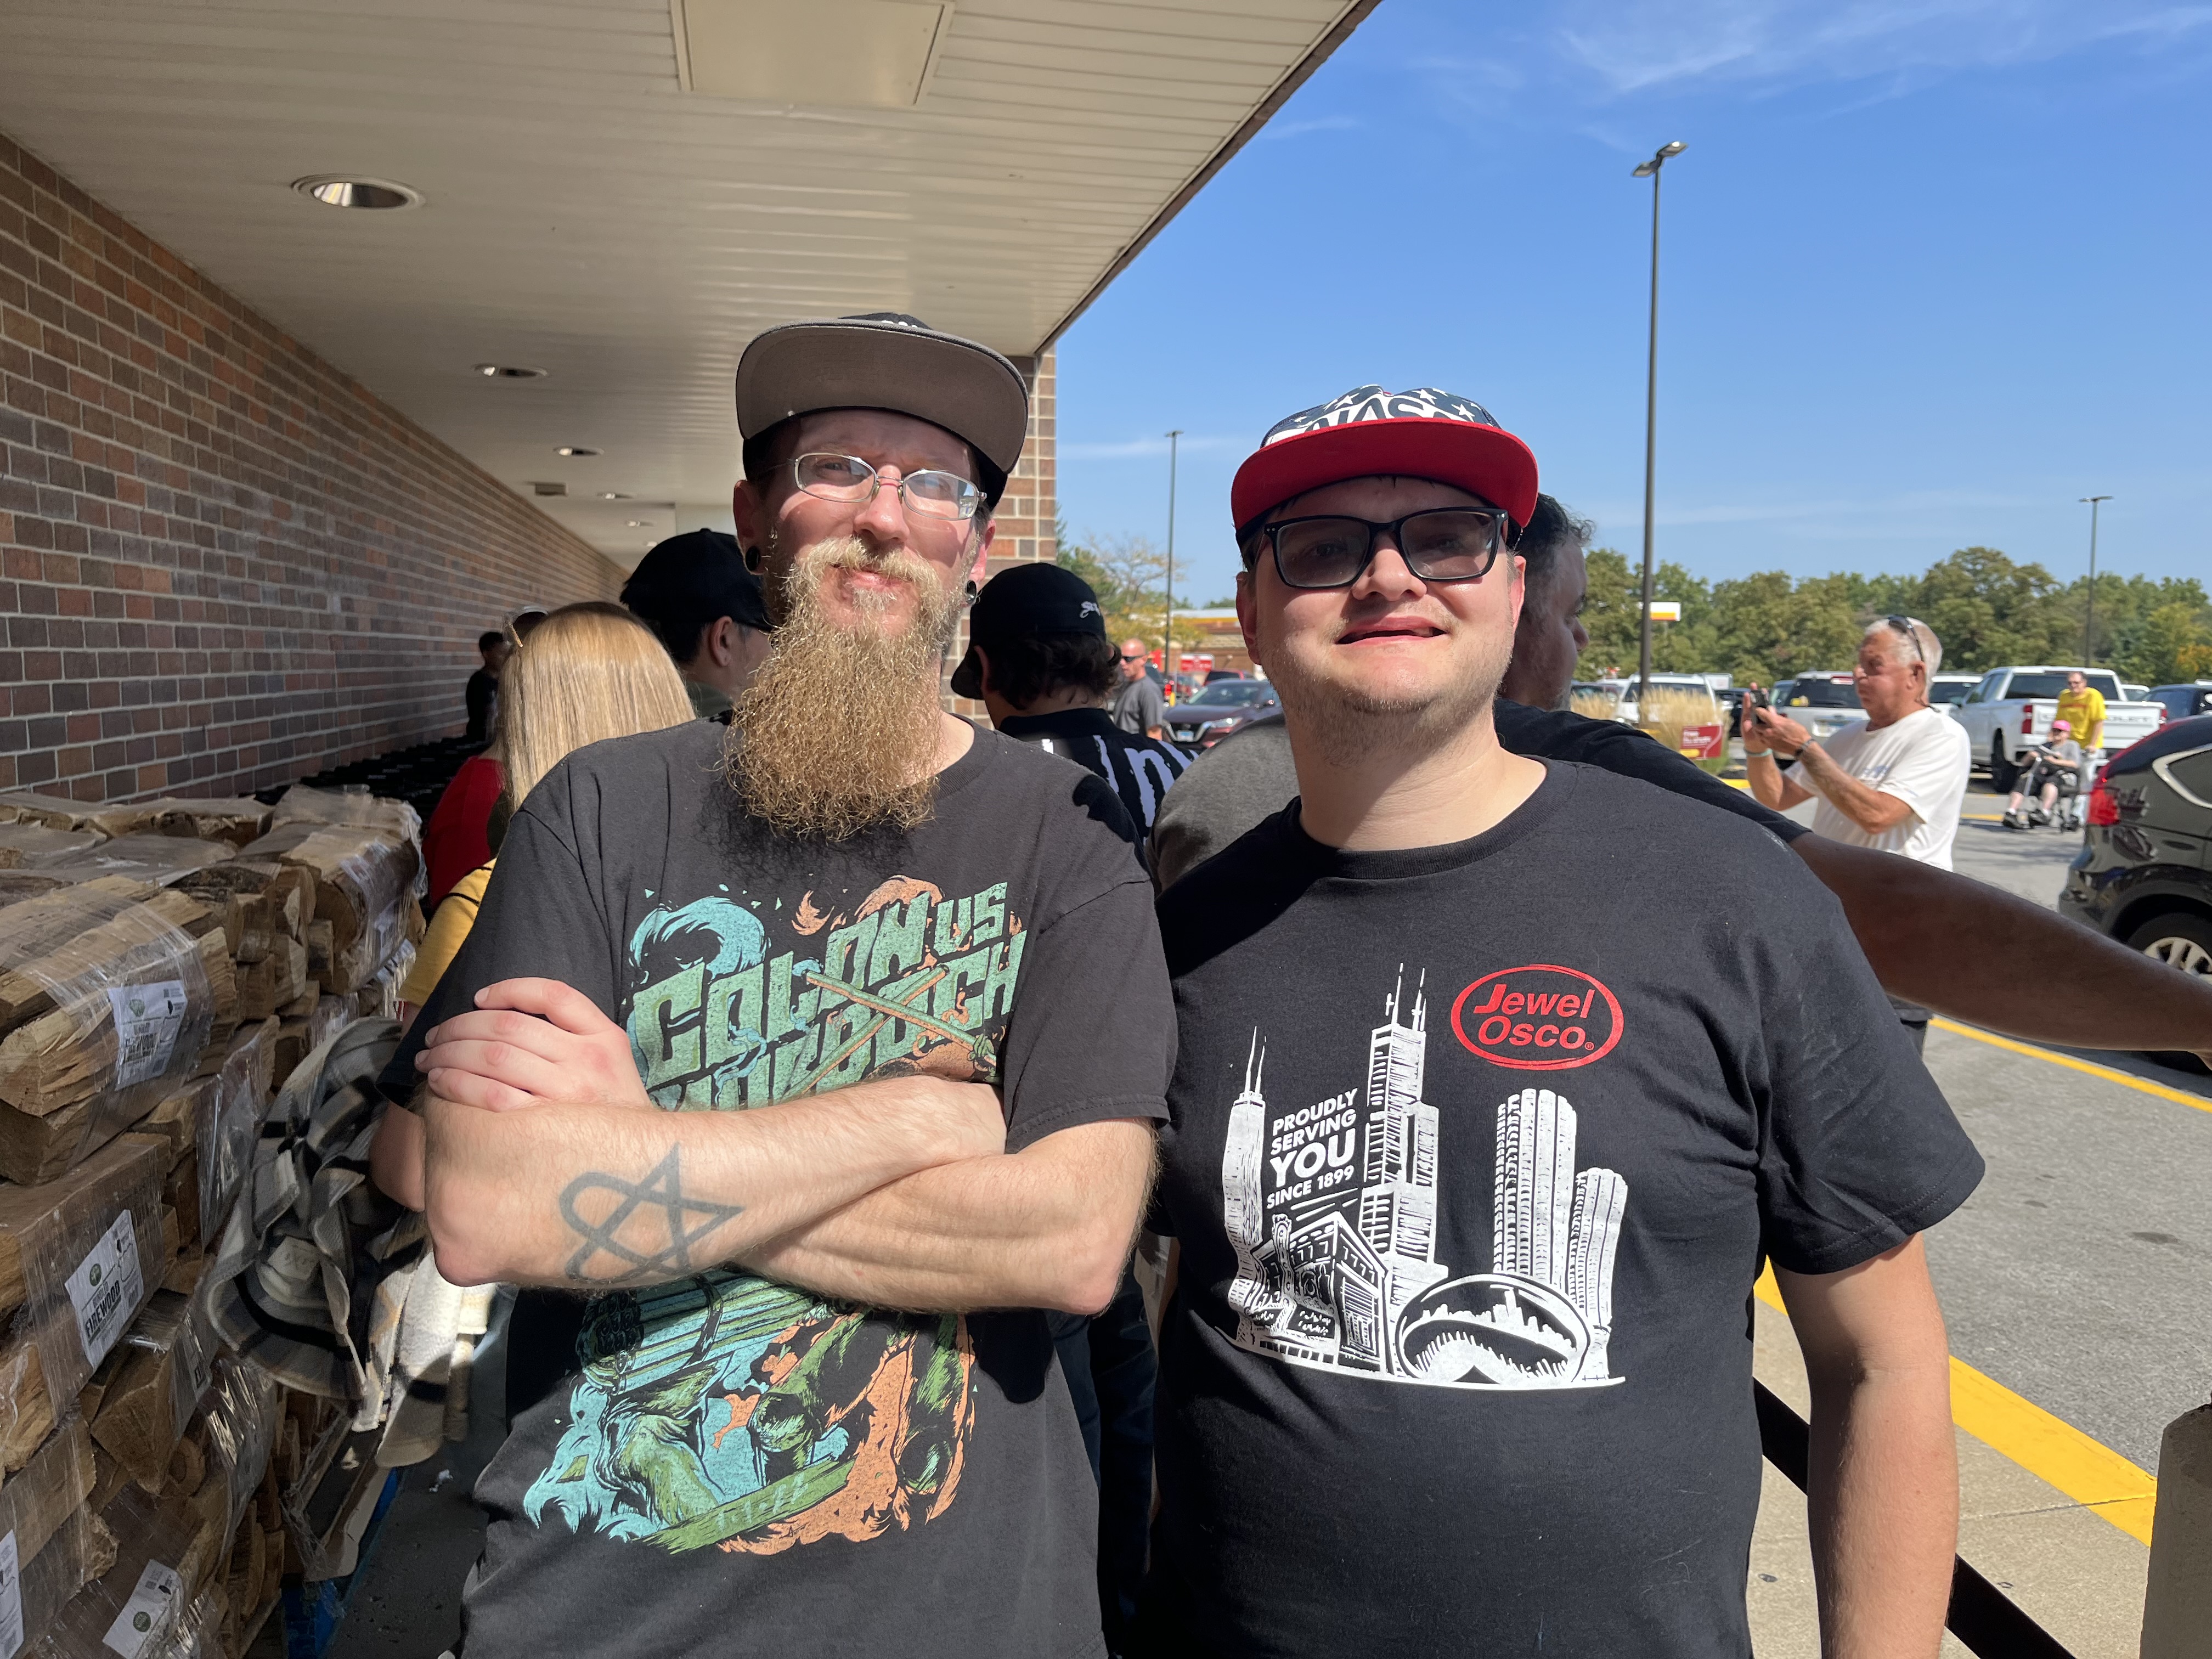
pixel 1776 730
pixel 530 1041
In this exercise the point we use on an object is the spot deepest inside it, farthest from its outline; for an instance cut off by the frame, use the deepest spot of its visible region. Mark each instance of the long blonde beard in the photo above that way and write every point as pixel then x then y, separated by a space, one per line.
pixel 837 732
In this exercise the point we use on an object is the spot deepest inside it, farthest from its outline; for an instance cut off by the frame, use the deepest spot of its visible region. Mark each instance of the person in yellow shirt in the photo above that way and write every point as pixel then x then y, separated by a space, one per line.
pixel 587 671
pixel 2081 706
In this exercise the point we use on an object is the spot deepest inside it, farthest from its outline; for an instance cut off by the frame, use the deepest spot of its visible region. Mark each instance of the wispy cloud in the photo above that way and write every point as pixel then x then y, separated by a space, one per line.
pixel 1131 448
pixel 1776 42
pixel 1275 130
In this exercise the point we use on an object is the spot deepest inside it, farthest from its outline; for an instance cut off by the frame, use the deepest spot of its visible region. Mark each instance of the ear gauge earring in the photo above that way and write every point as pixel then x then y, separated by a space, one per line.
pixel 753 561
pixel 972 591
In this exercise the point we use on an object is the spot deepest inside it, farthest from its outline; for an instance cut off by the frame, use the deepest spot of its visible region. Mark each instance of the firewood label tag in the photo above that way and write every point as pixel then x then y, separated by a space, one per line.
pixel 106 1289
pixel 11 1599
pixel 147 1020
pixel 147 1614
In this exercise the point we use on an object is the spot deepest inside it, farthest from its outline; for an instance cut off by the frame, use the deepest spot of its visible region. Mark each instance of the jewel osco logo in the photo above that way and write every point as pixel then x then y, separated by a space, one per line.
pixel 1541 1018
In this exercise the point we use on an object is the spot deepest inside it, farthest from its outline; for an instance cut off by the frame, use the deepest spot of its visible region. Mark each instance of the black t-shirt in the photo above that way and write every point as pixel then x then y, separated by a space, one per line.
pixel 1141 768
pixel 737 1464
pixel 1475 1151
pixel 483 698
pixel 1245 778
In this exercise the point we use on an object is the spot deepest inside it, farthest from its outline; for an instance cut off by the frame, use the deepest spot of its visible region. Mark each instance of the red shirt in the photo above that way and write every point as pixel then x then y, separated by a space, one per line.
pixel 456 841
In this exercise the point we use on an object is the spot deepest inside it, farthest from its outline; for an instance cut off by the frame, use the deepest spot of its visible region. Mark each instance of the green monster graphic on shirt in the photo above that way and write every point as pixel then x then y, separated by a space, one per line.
pixel 726 1409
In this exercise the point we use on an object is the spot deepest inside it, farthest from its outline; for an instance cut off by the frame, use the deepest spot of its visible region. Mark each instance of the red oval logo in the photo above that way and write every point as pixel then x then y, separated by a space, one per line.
pixel 1541 1018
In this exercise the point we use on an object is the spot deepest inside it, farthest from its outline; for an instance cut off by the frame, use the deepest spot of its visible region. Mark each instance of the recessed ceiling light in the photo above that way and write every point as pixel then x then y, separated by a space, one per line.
pixel 378 195
pixel 639 523
pixel 574 449
pixel 612 496
pixel 508 371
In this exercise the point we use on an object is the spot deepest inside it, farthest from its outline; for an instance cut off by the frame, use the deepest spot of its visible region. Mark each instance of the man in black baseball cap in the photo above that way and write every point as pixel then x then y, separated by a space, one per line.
pixel 694 591
pixel 843 1034
pixel 1039 660
pixel 1483 1125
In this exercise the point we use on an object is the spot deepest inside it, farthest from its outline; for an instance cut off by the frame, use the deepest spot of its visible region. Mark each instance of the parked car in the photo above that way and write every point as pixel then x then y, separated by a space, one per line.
pixel 1824 704
pixel 1949 690
pixel 2144 872
pixel 2180 702
pixel 1217 709
pixel 1697 687
pixel 2010 710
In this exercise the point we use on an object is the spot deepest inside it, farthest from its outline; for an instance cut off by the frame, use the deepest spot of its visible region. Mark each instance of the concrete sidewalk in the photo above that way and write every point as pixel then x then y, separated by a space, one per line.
pixel 2077 1575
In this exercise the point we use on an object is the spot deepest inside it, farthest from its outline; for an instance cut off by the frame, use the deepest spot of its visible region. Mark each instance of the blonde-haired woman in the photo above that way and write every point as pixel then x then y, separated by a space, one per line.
pixel 587 672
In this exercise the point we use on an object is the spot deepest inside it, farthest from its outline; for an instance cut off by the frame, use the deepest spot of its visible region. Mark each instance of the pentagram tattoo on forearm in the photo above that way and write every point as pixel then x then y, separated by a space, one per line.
pixel 649 1233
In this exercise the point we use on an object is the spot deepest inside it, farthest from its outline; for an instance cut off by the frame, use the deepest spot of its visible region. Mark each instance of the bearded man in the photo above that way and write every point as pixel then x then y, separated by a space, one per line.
pixel 796 1047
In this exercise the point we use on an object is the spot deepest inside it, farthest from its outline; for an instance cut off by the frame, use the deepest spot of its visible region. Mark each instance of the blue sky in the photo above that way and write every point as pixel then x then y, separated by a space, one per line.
pixel 1931 271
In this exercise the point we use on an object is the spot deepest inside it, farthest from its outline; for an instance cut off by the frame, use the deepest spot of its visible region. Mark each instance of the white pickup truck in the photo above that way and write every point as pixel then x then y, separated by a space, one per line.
pixel 2012 709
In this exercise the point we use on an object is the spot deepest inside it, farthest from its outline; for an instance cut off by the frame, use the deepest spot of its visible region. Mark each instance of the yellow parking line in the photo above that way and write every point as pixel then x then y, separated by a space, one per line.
pixel 2088 1068
pixel 2048 1448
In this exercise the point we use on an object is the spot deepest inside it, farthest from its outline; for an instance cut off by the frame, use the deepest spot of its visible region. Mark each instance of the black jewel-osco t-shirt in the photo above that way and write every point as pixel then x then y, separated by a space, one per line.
pixel 737 1465
pixel 1474 1153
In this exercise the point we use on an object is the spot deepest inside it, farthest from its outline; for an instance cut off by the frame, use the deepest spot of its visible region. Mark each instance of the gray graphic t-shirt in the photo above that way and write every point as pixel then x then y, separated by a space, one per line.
pixel 1475 1153
pixel 738 1465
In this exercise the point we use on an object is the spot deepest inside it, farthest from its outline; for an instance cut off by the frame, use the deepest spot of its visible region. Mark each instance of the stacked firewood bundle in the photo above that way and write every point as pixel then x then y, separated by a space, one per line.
pixel 164 966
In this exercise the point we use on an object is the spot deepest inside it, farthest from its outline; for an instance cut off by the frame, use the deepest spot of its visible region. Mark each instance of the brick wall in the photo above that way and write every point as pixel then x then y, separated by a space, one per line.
pixel 1029 513
pixel 223 565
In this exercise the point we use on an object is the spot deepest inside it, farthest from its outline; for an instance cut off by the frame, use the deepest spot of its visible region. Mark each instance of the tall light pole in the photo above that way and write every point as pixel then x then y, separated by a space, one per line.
pixel 2089 622
pixel 1651 170
pixel 1167 617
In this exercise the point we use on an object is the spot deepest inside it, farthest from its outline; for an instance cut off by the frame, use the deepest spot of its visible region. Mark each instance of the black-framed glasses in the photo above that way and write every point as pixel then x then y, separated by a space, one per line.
pixel 1911 629
pixel 851 482
pixel 1443 544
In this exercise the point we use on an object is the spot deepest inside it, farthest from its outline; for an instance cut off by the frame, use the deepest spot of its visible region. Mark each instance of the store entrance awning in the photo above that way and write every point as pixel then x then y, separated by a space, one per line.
pixel 620 194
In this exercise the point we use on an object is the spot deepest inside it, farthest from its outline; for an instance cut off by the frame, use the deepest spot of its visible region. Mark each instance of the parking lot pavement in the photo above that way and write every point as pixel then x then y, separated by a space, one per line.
pixel 2080 1274
pixel 2029 862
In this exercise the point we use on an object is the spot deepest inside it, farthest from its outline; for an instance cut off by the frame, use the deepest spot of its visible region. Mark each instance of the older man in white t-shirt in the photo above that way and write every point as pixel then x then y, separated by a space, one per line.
pixel 1894 780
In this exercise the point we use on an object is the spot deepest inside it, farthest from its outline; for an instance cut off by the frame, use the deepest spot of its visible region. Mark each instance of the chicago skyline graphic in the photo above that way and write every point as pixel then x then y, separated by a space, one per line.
pixel 1332 1211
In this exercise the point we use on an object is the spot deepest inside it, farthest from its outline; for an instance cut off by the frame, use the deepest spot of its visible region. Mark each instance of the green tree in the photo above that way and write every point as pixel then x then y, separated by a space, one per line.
pixel 1988 612
pixel 2170 643
pixel 1768 628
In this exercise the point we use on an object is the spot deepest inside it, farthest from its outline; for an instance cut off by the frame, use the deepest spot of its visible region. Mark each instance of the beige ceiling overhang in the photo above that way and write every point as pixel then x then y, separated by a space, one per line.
pixel 623 193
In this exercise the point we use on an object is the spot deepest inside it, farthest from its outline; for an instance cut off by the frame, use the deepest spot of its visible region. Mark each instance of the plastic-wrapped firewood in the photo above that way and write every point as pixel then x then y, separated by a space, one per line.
pixel 236 821
pixel 231 1122
pixel 56 811
pixel 37 846
pixel 107 1004
pixel 144 857
pixel 260 900
pixel 166 1365
pixel 364 884
pixel 16 885
pixel 138 1606
pixel 79 1256
pixel 56 1542
pixel 304 803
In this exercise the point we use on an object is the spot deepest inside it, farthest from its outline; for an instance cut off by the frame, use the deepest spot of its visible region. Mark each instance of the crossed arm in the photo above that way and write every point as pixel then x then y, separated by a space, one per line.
pixel 1883 1501
pixel 543 1162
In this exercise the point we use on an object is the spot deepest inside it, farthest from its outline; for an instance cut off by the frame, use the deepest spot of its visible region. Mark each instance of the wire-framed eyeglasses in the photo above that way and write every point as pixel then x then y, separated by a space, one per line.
pixel 1443 544
pixel 851 482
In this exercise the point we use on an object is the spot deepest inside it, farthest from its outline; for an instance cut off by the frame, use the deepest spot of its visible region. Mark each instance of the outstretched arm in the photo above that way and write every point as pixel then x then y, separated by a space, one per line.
pixel 1884 1493
pixel 1955 944
pixel 1049 1226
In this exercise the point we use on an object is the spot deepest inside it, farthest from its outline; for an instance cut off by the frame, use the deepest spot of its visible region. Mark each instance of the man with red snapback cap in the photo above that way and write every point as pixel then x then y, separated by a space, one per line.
pixel 1482 1125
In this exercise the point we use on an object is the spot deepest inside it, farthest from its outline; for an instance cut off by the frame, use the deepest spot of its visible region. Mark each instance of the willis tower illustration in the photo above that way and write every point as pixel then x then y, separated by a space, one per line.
pixel 1332 1211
